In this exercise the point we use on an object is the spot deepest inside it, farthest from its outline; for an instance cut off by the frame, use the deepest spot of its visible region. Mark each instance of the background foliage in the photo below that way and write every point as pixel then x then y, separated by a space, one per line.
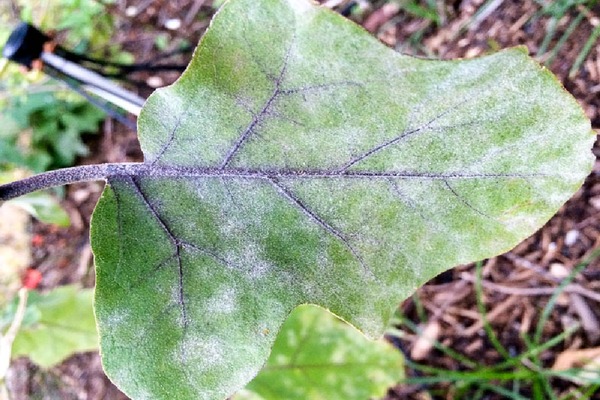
pixel 43 122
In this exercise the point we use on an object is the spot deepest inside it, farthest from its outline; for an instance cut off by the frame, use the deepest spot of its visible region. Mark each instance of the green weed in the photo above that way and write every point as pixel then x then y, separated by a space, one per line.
pixel 42 121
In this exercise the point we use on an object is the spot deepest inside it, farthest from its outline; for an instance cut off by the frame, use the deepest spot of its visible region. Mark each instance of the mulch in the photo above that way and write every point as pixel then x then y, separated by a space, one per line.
pixel 516 285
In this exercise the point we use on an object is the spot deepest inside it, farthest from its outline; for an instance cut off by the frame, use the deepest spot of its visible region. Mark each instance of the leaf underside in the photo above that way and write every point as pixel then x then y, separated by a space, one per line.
pixel 316 166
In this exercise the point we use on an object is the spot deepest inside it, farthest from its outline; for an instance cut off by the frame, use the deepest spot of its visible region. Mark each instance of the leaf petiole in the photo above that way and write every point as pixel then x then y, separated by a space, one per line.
pixel 59 177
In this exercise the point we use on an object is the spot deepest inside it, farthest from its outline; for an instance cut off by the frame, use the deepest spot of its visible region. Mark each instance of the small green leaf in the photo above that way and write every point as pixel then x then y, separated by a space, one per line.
pixel 31 316
pixel 44 207
pixel 298 160
pixel 60 323
pixel 319 357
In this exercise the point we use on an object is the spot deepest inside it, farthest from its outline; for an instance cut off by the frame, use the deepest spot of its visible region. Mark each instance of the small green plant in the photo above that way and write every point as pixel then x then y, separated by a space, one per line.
pixel 298 160
pixel 46 327
pixel 42 121
pixel 55 325
pixel 43 131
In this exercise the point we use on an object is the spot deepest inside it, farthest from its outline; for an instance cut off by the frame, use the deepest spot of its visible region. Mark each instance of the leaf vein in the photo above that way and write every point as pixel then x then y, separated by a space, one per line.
pixel 170 139
pixel 405 134
pixel 290 196
pixel 243 138
pixel 463 200
pixel 177 251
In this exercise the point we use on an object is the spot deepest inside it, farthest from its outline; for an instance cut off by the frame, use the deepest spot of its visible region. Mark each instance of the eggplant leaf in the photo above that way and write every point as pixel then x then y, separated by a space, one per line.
pixel 298 160
pixel 319 357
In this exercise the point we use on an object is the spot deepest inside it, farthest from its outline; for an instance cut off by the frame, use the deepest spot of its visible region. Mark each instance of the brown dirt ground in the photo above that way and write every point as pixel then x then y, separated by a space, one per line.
pixel 517 285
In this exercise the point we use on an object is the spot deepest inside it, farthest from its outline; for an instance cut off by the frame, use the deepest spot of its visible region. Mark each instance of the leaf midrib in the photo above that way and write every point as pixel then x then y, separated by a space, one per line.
pixel 166 171
pixel 96 172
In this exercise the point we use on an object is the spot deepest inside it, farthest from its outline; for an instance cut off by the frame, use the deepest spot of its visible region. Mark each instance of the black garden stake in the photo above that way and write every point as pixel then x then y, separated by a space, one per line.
pixel 89 77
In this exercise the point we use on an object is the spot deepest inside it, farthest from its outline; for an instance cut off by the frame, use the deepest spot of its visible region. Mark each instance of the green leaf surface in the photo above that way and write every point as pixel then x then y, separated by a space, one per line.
pixel 319 357
pixel 298 160
pixel 57 324
pixel 44 207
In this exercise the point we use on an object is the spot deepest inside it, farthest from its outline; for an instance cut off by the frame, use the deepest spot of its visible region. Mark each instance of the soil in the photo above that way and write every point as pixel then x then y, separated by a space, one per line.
pixel 516 285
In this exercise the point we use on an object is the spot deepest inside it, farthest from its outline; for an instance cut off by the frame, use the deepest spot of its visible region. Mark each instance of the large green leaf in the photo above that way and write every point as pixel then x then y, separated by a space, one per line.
pixel 319 357
pixel 297 161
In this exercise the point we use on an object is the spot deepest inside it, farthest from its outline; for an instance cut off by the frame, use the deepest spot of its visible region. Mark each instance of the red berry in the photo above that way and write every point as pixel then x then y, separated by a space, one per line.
pixel 31 279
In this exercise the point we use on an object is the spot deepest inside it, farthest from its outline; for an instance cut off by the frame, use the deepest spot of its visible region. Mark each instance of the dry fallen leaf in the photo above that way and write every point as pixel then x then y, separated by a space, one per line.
pixel 586 359
pixel 427 338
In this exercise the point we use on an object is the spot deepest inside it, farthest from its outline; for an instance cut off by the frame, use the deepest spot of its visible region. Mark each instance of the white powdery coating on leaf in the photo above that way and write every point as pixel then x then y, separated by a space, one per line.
pixel 521 222
pixel 175 298
pixel 117 317
pixel 168 106
pixel 301 7
pixel 449 99
pixel 223 302
pixel 341 354
pixel 254 265
pixel 204 352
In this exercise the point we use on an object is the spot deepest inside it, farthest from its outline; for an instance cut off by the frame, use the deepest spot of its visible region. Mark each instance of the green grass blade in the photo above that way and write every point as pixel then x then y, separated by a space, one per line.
pixel 482 375
pixel 550 31
pixel 566 35
pixel 535 365
pixel 503 392
pixel 537 350
pixel 481 307
pixel 585 51
pixel 419 308
pixel 576 373
pixel 550 305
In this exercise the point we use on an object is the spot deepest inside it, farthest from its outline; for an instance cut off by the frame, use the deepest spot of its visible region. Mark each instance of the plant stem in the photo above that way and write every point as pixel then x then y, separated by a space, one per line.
pixel 83 173
pixel 7 339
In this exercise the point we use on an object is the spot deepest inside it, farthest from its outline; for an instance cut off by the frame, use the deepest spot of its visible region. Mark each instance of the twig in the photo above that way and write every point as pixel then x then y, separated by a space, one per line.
pixel 484 12
pixel 525 263
pixel 589 220
pixel 191 14
pixel 492 315
pixel 546 291
pixel 589 322
pixel 7 340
